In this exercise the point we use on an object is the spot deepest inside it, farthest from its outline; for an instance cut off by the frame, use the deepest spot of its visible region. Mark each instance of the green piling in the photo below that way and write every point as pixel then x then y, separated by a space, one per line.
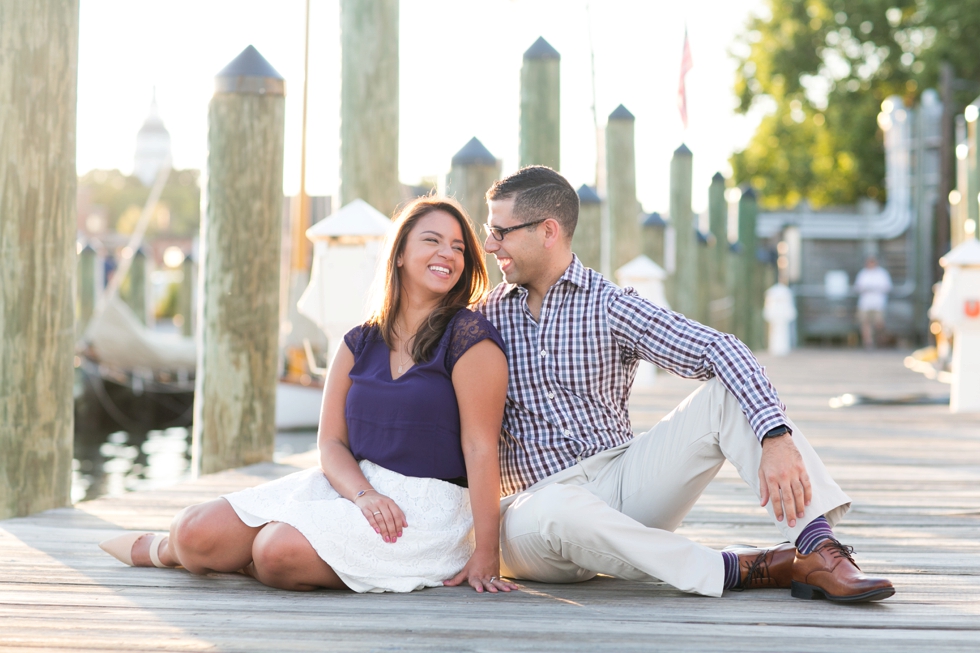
pixel 652 231
pixel 88 291
pixel 685 283
pixel 186 305
pixel 719 314
pixel 587 240
pixel 748 295
pixel 973 167
pixel 624 210
pixel 137 285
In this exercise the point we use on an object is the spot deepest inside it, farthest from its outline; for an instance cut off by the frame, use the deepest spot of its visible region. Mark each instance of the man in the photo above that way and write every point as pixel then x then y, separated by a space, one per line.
pixel 582 495
pixel 872 285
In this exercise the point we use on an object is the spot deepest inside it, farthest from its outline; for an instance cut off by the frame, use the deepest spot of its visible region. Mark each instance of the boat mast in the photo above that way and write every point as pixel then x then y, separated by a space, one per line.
pixel 302 223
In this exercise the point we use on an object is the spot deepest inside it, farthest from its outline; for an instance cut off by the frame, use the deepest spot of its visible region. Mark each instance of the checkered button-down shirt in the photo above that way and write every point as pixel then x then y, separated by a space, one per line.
pixel 571 370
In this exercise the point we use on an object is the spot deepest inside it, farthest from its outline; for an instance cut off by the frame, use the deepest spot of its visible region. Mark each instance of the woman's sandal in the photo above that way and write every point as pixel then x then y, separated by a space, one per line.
pixel 121 548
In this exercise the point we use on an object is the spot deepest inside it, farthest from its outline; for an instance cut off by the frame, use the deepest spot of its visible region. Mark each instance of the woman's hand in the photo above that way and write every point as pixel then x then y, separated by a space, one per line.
pixel 483 574
pixel 383 514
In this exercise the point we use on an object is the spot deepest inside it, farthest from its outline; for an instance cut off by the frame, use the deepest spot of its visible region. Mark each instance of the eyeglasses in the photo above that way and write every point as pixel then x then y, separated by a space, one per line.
pixel 498 233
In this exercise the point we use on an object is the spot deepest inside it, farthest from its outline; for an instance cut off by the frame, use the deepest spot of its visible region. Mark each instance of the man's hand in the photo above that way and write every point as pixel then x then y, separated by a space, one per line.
pixel 783 477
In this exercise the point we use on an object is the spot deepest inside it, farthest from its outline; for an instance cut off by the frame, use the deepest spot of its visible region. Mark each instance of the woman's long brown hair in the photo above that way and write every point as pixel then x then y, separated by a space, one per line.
pixel 472 286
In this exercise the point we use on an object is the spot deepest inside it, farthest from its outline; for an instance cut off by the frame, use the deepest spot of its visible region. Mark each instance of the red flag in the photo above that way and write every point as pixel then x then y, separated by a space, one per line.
pixel 686 64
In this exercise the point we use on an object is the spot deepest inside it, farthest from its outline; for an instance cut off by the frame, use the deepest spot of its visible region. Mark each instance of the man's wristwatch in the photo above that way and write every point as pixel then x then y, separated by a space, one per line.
pixel 782 429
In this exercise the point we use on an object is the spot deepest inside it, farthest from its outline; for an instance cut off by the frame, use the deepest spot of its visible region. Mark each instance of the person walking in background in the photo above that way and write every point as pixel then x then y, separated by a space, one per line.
pixel 872 284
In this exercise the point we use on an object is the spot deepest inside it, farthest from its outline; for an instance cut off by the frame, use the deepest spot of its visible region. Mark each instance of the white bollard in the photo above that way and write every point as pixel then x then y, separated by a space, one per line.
pixel 779 311
pixel 346 247
pixel 957 306
pixel 647 279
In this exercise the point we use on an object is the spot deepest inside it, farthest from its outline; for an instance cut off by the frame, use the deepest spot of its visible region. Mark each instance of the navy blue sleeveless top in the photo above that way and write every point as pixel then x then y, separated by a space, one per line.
pixel 410 425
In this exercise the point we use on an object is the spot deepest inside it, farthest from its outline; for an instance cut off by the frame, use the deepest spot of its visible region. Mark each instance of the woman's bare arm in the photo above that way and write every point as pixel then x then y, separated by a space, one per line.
pixel 337 461
pixel 480 380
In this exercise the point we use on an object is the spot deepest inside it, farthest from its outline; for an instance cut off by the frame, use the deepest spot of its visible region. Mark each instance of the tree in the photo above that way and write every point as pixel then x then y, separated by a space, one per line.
pixel 821 69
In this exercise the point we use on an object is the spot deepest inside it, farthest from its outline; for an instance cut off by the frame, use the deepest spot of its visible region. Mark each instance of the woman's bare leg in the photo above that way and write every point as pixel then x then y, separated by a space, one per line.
pixel 283 558
pixel 203 538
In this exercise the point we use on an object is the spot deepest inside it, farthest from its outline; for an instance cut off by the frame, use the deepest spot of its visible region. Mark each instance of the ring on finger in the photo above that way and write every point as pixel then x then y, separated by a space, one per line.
pixel 492 578
pixel 377 513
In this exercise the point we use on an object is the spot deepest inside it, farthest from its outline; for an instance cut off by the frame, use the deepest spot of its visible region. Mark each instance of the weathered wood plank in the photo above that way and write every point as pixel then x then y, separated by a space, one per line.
pixel 912 472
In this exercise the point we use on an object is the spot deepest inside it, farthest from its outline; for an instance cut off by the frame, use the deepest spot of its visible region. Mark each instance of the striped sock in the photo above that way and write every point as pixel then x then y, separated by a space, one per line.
pixel 732 575
pixel 815 532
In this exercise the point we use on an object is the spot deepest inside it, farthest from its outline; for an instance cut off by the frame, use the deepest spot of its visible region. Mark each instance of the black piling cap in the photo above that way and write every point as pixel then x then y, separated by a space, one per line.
pixel 249 64
pixel 249 72
pixel 717 177
pixel 735 248
pixel 621 113
pixel 748 193
pixel 682 151
pixel 701 237
pixel 474 152
pixel 88 249
pixel 587 195
pixel 541 49
pixel 654 220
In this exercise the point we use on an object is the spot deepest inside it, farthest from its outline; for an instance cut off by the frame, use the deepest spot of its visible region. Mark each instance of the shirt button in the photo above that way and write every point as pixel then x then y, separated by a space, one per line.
pixel 567 432
pixel 551 395
pixel 543 353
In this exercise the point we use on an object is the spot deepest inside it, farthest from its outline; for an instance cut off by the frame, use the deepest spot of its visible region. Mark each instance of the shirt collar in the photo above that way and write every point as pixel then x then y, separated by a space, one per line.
pixel 575 273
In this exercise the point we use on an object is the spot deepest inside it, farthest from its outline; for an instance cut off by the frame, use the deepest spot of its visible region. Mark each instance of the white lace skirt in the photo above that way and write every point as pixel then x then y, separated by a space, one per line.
pixel 434 547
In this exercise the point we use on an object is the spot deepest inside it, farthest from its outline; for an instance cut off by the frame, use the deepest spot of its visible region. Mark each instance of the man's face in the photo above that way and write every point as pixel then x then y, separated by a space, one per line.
pixel 520 253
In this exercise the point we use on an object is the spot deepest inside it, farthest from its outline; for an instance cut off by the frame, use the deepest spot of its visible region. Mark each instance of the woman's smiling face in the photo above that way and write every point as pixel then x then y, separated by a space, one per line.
pixel 432 260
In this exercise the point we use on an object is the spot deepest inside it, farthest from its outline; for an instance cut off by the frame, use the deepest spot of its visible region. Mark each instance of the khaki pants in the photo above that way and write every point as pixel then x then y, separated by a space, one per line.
pixel 615 513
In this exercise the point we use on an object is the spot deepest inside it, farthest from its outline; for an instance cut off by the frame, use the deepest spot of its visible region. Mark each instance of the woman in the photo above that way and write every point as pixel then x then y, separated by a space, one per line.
pixel 411 416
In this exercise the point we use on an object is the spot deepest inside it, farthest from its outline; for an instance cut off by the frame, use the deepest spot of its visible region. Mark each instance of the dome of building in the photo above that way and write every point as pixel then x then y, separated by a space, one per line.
pixel 152 146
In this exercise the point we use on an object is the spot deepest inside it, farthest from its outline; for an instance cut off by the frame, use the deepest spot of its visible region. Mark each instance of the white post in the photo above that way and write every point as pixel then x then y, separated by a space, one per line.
pixel 647 279
pixel 346 247
pixel 779 311
pixel 957 306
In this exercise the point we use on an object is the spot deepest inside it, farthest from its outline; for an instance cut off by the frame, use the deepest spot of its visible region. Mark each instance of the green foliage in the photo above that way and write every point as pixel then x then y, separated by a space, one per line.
pixel 121 197
pixel 823 67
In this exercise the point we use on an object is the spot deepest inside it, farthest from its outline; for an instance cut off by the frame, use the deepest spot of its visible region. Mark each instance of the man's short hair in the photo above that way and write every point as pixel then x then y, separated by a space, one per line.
pixel 539 191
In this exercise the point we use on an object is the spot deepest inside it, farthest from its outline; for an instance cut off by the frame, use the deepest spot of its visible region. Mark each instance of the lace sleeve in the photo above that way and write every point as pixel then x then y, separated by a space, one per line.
pixel 355 339
pixel 469 328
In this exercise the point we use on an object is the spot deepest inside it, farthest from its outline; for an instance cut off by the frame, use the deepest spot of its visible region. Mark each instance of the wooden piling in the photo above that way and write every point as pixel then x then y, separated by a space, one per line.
pixel 958 214
pixel 652 232
pixel 186 305
pixel 719 314
pixel 973 166
pixel 587 240
pixel 624 210
pixel 540 115
pixel 685 286
pixel 748 293
pixel 473 171
pixel 88 289
pixel 369 104
pixel 137 285
pixel 38 256
pixel 235 398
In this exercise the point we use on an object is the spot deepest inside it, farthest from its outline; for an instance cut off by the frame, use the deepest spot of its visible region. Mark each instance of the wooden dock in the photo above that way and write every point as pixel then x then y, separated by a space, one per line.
pixel 912 470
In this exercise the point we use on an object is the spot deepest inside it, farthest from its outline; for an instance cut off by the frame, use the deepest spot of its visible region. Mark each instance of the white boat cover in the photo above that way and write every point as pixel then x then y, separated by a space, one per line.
pixel 121 340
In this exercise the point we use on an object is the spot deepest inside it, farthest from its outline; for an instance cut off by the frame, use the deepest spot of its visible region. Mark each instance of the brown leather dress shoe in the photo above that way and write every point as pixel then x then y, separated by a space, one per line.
pixel 765 568
pixel 830 571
